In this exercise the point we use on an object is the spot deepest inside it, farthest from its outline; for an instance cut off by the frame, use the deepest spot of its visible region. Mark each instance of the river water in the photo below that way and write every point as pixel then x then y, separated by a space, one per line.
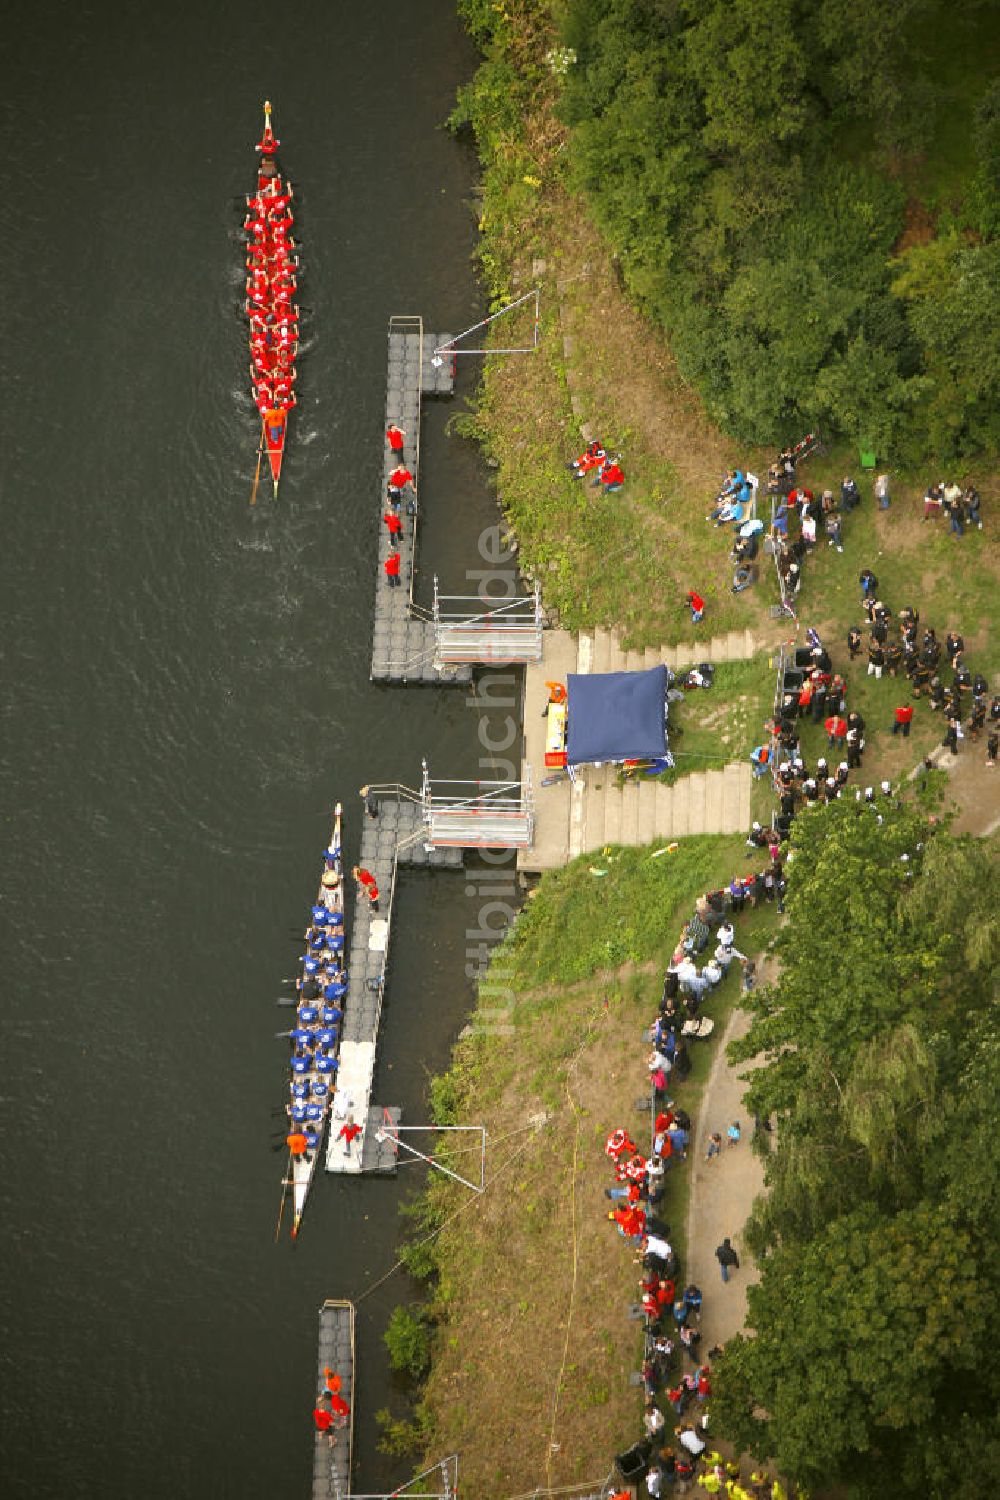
pixel 185 695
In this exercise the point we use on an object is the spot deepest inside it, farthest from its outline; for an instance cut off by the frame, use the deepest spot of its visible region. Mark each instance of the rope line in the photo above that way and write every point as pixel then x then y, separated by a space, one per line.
pixel 576 1257
pixel 461 1209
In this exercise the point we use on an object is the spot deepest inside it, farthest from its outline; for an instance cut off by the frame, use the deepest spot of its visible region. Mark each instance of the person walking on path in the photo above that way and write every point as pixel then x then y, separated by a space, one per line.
pixel 902 719
pixel 394 526
pixel 726 1256
pixel 734 1133
pixel 391 566
pixel 951 735
pixel 366 882
pixel 394 437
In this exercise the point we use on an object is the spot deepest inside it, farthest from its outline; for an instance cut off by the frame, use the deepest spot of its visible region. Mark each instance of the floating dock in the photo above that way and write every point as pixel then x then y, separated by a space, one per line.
pixel 392 839
pixel 332 1461
pixel 403 642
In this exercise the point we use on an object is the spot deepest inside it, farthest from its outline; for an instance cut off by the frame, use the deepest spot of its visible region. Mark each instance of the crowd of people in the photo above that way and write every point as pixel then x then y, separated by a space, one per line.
pixel 899 646
pixel 674 1450
pixel 961 507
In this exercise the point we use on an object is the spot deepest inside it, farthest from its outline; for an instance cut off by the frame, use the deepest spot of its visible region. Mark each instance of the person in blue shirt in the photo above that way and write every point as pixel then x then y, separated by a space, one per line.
pixel 327 1063
pixel 332 1015
pixel 320 1090
pixel 310 964
pixel 320 916
pixel 327 1036
pixel 301 1062
pixel 300 1088
pixel 334 941
pixel 314 1111
pixel 307 1014
pixel 335 990
pixel 298 1113
pixel 312 1138
pixel 300 1035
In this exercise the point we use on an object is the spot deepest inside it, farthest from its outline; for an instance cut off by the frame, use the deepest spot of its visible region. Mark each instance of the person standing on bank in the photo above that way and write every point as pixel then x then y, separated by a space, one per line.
pixel 726 1256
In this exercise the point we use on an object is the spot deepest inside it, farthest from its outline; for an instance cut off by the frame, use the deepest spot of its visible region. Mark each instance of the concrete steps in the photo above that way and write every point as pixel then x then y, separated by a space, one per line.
pixel 600 650
pixel 647 810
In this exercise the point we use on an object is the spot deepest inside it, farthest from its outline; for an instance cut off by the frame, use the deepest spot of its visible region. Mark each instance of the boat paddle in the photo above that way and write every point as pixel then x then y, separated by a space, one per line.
pixel 284 1194
pixel 260 455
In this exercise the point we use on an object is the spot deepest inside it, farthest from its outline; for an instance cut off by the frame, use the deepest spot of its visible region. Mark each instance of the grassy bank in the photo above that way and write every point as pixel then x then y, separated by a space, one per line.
pixel 626 560
pixel 529 1285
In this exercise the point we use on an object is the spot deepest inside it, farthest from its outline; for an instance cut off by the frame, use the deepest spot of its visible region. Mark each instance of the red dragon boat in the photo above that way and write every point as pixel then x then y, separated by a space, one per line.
pixel 272 312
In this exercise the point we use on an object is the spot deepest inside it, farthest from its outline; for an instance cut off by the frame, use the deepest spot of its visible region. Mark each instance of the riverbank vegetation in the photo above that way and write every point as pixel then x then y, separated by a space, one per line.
pixel 876 1323
pixel 529 1287
pixel 568 112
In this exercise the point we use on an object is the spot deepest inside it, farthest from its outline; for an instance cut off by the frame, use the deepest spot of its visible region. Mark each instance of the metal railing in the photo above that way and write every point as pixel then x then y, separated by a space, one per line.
pixel 467 631
pixel 478 814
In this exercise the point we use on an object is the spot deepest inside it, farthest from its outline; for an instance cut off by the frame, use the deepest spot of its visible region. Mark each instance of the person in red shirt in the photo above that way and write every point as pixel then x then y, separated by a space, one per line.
pixel 697 604
pixel 610 477
pixel 395 526
pixel 392 569
pixel 341 1408
pixel 366 881
pixel 398 480
pixel 348 1133
pixel 323 1419
pixel 394 437
pixel 902 719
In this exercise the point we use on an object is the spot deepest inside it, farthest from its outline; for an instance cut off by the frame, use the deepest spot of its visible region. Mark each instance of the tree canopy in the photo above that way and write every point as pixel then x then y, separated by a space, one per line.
pixel 876 1324
pixel 741 156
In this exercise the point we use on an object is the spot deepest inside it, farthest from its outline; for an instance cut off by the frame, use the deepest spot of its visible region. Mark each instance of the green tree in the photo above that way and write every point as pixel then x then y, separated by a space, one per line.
pixel 868 1345
pixel 950 288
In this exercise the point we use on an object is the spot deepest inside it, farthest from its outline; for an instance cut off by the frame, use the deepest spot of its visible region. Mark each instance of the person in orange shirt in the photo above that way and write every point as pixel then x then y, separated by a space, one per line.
pixel 297 1144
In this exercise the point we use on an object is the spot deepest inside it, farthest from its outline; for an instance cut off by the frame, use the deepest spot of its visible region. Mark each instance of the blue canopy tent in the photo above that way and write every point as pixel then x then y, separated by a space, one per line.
pixel 614 716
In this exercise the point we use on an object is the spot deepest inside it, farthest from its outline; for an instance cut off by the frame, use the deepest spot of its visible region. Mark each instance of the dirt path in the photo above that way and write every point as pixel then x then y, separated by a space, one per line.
pixel 973 786
pixel 722 1192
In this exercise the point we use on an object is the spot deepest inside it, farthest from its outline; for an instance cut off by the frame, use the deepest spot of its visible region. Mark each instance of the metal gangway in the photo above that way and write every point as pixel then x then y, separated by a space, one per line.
pixel 468 629
pixel 477 814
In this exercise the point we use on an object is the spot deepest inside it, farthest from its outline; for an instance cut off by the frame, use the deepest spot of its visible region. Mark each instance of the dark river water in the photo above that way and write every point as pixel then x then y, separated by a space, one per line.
pixel 185 695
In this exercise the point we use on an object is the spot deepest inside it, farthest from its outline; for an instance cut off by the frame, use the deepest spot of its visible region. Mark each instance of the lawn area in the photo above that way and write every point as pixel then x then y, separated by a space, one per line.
pixel 533 1342
pixel 714 726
